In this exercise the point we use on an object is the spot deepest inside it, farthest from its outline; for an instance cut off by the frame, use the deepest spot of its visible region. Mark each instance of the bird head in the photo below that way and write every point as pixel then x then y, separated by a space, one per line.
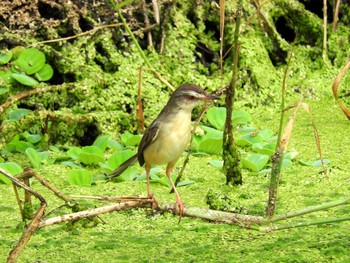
pixel 188 96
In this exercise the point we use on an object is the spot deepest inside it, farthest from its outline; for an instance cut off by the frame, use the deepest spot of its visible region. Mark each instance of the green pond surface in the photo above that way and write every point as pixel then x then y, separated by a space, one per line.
pixel 137 236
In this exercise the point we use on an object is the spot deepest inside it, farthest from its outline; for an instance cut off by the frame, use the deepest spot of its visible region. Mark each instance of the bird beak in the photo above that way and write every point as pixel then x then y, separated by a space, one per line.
pixel 210 97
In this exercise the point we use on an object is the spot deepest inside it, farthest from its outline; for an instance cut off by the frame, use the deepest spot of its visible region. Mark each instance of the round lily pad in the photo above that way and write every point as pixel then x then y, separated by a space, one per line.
pixel 45 73
pixel 30 60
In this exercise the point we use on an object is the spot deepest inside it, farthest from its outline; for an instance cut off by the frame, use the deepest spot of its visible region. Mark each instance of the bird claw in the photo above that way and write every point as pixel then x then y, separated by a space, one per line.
pixel 155 204
pixel 180 208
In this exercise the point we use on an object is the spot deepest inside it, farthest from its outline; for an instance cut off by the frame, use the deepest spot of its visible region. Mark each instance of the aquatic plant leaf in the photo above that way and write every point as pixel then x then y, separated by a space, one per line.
pixel 240 118
pixel 32 138
pixel 45 73
pixel 33 157
pixel 216 117
pixel 24 79
pixel 3 91
pixel 10 167
pixel 101 142
pixel 118 158
pixel 129 139
pixel 30 60
pixel 216 163
pixel 91 155
pixel 264 148
pixel 80 177
pixel 249 139
pixel 255 162
pixel 112 144
pixel 5 57
pixel 7 76
pixel 210 145
pixel 74 152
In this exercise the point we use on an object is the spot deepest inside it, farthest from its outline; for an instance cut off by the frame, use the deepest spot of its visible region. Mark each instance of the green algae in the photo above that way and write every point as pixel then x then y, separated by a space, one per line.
pixel 106 91
pixel 126 234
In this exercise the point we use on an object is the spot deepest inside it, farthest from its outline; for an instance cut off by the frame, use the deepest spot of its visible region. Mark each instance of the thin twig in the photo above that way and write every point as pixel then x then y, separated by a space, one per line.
pixel 336 13
pixel 222 27
pixel 142 54
pixel 324 51
pixel 81 34
pixel 26 94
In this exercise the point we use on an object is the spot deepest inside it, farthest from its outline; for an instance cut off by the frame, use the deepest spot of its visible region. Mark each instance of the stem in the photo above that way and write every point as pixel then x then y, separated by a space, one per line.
pixel 307 210
pixel 142 54
pixel 324 51
pixel 276 158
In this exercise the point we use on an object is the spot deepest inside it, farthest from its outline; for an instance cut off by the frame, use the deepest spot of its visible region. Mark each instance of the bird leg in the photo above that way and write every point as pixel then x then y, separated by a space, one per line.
pixel 149 194
pixel 179 205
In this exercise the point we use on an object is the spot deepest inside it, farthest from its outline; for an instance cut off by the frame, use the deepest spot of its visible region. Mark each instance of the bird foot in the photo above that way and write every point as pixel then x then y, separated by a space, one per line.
pixel 179 207
pixel 155 204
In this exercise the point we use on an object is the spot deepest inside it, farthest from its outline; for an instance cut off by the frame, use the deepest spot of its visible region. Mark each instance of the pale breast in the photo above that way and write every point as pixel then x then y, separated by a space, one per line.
pixel 171 141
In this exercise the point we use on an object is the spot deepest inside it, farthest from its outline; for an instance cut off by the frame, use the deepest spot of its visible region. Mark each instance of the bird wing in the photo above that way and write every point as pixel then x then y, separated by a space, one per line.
pixel 147 139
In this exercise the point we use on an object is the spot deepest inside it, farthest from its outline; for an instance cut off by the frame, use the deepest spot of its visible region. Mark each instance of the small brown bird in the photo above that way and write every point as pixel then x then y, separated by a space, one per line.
pixel 166 138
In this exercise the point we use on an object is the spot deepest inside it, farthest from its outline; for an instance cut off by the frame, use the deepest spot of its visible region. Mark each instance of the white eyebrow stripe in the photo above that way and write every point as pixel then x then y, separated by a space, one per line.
pixel 194 94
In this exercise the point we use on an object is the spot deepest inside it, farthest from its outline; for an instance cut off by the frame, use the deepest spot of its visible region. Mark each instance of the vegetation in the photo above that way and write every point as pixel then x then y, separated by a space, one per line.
pixel 69 97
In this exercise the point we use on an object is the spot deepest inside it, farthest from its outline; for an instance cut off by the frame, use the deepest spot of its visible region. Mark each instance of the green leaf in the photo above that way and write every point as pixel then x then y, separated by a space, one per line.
pixel 45 73
pixel 118 158
pixel 255 162
pixel 81 177
pixel 48 157
pixel 246 129
pixel 211 133
pixel 101 142
pixel 17 51
pixel 34 157
pixel 91 155
pixel 266 134
pixel 216 163
pixel 318 163
pixel 112 144
pixel 17 114
pixel 74 152
pixel 240 117
pixel 32 138
pixel 249 139
pixel 128 175
pixel 286 163
pixel 129 139
pixel 264 148
pixel 19 146
pixel 210 145
pixel 216 117
pixel 4 58
pixel 6 76
pixel 184 183
pixel 24 79
pixel 3 91
pixel 153 174
pixel 30 60
pixel 10 167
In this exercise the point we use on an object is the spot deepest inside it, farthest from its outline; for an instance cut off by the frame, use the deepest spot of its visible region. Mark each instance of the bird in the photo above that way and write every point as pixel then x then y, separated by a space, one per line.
pixel 167 137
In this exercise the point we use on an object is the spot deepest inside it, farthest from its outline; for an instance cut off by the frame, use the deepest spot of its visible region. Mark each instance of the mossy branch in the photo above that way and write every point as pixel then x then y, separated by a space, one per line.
pixel 26 94
pixel 231 155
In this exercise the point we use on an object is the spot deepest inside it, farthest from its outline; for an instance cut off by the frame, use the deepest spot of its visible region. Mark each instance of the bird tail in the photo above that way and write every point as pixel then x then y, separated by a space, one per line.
pixel 125 165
